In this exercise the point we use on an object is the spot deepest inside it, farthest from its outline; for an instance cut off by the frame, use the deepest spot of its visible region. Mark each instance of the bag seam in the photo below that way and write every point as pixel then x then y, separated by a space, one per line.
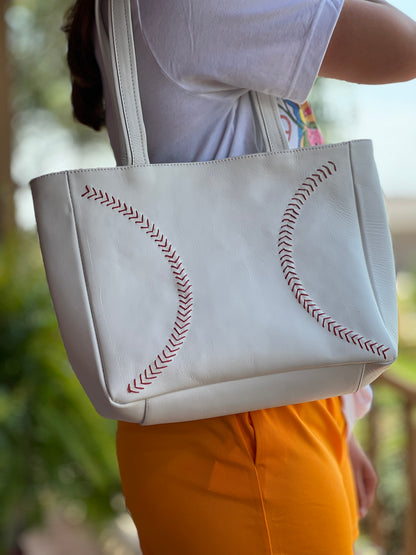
pixel 295 152
pixel 364 239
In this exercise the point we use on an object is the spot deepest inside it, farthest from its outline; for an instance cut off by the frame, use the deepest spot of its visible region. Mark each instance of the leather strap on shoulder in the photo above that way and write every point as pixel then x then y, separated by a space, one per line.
pixel 117 50
pixel 268 116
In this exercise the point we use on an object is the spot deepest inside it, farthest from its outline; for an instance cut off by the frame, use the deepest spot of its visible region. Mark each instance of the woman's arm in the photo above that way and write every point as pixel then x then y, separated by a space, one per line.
pixel 372 43
pixel 365 476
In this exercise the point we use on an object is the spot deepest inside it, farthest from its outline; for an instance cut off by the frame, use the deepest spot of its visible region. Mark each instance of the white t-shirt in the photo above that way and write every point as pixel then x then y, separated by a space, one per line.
pixel 197 61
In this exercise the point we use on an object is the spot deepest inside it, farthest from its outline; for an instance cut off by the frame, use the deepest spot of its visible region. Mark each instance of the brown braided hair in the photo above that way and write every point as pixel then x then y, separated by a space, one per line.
pixel 87 89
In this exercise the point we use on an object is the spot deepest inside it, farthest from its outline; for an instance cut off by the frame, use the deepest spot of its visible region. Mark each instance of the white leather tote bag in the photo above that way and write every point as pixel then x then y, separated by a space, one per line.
pixel 187 291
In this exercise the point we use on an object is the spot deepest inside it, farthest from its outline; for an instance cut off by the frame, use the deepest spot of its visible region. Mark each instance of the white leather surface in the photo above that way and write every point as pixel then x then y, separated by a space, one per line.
pixel 117 299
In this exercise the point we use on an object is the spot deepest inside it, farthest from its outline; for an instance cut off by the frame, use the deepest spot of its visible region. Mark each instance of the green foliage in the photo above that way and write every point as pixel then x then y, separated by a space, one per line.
pixel 54 448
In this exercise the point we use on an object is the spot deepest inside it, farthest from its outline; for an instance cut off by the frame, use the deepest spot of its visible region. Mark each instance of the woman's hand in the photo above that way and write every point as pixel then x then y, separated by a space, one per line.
pixel 373 42
pixel 364 474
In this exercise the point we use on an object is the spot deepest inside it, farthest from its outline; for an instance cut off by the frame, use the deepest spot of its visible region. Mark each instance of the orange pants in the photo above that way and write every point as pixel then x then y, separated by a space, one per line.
pixel 274 481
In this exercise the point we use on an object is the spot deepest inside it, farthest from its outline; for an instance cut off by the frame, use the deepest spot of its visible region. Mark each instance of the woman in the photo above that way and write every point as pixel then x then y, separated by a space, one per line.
pixel 277 480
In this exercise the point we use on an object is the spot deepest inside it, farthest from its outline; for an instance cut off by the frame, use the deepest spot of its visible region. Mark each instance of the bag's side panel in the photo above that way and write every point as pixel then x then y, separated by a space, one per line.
pixel 326 261
pixel 375 237
pixel 64 268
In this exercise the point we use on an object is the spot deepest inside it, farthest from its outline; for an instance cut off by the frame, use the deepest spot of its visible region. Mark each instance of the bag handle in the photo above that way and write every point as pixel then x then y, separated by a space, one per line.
pixel 268 117
pixel 118 54
pixel 119 60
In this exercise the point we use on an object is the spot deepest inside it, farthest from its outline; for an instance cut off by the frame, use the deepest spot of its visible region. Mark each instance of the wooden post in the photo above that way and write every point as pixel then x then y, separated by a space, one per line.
pixel 410 534
pixel 376 514
pixel 7 215
pixel 408 393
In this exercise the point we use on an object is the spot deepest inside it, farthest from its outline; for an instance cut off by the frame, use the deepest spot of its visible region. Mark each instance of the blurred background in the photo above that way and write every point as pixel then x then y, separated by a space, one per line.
pixel 59 486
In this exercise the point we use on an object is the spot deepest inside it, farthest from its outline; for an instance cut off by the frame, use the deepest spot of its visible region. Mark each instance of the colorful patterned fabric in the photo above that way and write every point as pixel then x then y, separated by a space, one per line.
pixel 299 124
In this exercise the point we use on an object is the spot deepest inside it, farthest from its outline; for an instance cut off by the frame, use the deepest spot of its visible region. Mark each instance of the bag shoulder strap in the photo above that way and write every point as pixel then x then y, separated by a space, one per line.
pixel 119 58
pixel 268 117
pixel 117 51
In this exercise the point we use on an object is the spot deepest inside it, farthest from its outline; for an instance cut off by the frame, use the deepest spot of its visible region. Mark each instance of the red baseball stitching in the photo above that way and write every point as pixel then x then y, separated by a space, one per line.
pixel 285 248
pixel 184 287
